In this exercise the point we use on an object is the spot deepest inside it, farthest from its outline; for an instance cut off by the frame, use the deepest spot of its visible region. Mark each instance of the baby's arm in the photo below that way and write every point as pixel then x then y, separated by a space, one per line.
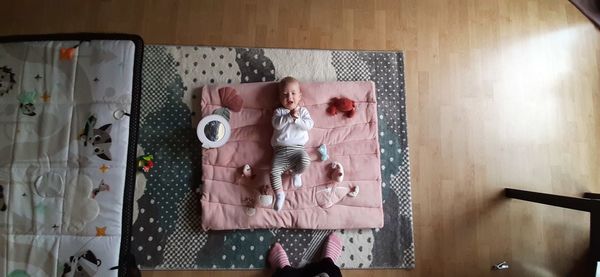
pixel 304 121
pixel 281 118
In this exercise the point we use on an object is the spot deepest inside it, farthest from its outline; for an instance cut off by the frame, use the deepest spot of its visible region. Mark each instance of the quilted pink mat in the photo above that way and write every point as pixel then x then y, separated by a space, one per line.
pixel 230 201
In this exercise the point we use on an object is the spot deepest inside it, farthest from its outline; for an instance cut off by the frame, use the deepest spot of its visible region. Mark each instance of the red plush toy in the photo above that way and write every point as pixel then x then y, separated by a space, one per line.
pixel 342 105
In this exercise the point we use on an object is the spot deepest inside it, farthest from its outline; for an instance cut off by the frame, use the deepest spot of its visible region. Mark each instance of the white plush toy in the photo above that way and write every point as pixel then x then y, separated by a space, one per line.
pixel 338 172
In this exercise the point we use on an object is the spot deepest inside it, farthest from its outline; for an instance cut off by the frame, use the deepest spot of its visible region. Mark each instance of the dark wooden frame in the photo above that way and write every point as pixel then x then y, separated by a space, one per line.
pixel 590 202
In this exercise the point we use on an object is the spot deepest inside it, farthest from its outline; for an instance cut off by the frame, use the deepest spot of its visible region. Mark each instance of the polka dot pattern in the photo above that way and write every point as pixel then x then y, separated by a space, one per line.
pixel 154 67
pixel 254 66
pixel 384 255
pixel 178 251
pixel 295 242
pixel 397 182
pixel 166 134
pixel 240 249
pixel 388 74
pixel 142 231
pixel 350 66
pixel 199 66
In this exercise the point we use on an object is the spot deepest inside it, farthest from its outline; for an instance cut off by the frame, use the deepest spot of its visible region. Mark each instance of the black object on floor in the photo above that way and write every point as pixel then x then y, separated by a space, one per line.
pixel 590 8
pixel 589 203
pixel 325 265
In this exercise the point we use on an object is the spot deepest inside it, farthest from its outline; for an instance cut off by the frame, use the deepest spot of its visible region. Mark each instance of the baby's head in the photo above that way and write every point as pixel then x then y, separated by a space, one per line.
pixel 289 93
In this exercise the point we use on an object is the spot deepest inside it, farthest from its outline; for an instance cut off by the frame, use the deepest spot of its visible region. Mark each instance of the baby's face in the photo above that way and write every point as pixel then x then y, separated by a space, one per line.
pixel 290 96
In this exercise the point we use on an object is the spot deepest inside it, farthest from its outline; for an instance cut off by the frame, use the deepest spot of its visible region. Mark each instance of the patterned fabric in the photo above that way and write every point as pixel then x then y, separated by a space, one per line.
pixel 167 233
pixel 286 158
pixel 64 150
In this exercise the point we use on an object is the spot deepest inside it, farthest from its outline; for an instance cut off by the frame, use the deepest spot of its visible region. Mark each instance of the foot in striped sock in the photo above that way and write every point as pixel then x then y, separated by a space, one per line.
pixel 277 256
pixel 333 247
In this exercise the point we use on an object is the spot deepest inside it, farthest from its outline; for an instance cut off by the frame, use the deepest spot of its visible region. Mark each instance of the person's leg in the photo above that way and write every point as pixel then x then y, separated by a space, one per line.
pixel 280 164
pixel 287 271
pixel 277 256
pixel 331 253
pixel 325 265
pixel 300 162
pixel 278 259
pixel 333 247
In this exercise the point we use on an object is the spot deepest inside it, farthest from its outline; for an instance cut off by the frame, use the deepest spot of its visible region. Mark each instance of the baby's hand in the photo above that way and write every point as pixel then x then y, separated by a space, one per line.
pixel 295 113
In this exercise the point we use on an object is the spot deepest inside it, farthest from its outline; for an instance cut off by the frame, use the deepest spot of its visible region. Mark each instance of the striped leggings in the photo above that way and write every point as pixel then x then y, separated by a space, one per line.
pixel 286 158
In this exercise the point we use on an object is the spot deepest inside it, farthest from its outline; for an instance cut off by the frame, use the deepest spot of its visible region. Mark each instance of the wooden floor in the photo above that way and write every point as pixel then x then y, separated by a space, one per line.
pixel 501 93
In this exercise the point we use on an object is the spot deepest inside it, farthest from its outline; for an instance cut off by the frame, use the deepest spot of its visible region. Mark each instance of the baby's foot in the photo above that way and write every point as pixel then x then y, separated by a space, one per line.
pixel 297 180
pixel 279 199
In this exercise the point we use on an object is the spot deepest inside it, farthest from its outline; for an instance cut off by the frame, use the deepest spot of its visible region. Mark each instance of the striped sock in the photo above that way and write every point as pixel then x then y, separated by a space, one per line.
pixel 333 247
pixel 277 256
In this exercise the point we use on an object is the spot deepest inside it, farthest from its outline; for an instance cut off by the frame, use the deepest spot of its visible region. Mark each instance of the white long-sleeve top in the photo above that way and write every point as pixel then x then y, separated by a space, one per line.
pixel 290 132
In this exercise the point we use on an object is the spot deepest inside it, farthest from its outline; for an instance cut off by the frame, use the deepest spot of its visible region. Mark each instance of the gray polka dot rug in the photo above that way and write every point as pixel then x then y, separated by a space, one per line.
pixel 166 232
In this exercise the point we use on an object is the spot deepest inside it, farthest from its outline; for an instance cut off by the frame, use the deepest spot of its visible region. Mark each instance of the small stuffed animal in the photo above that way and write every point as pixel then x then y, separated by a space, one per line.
pixel 343 105
pixel 323 151
pixel 337 173
pixel 247 171
pixel 230 99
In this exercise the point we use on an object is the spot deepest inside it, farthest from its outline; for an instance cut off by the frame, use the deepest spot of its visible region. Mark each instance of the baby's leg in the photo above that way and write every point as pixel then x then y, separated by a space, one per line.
pixel 300 161
pixel 281 163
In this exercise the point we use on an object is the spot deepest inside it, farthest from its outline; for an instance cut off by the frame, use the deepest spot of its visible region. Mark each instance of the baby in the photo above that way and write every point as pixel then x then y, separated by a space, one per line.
pixel 291 123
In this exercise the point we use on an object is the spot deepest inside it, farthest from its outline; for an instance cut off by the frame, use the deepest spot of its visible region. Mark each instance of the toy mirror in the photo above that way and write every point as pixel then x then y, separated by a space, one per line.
pixel 213 131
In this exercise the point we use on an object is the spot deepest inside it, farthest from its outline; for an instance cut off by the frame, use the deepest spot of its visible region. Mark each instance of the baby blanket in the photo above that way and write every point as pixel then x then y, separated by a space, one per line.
pixel 231 200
